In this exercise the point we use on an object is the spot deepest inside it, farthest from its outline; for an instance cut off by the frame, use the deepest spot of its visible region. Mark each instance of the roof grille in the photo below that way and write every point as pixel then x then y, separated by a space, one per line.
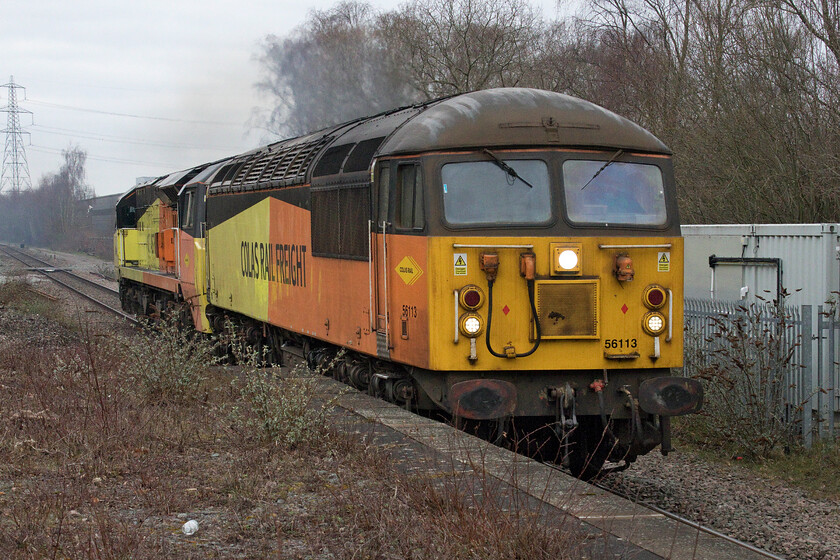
pixel 276 166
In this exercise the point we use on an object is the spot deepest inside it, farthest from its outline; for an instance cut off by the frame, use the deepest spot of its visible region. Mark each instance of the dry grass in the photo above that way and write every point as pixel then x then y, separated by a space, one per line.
pixel 96 463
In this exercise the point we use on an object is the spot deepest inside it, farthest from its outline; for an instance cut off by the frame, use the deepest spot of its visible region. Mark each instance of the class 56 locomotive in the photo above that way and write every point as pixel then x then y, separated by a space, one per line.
pixel 510 259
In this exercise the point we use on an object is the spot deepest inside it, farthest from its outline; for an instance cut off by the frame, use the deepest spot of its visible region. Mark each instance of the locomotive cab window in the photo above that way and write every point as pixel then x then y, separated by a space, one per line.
pixel 383 190
pixel 188 210
pixel 408 211
pixel 496 192
pixel 606 192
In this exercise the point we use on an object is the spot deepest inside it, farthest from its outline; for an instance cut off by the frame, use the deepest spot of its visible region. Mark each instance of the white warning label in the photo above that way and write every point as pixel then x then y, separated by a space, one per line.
pixel 460 260
pixel 663 263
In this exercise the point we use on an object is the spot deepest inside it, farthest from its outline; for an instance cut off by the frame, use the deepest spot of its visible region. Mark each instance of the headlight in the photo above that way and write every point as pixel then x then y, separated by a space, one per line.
pixel 565 258
pixel 653 323
pixel 471 325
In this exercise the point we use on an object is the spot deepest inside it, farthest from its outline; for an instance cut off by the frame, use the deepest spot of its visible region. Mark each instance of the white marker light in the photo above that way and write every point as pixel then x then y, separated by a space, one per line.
pixel 472 325
pixel 653 323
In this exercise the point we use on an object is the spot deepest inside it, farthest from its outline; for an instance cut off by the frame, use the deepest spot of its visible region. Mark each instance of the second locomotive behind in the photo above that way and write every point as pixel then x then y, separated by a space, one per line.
pixel 510 257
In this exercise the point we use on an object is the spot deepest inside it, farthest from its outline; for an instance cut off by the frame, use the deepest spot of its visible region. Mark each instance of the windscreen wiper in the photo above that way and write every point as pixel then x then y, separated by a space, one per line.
pixel 506 168
pixel 612 159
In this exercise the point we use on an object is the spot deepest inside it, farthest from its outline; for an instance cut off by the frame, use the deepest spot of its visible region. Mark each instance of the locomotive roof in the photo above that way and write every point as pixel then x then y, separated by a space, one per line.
pixel 493 118
pixel 517 117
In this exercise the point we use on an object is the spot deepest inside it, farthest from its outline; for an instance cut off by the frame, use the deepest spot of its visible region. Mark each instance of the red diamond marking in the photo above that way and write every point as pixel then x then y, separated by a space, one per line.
pixel 505 309
pixel 624 308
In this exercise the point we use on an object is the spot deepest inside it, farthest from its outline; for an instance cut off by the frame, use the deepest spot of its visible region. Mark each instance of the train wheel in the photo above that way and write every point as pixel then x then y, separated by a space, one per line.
pixel 589 446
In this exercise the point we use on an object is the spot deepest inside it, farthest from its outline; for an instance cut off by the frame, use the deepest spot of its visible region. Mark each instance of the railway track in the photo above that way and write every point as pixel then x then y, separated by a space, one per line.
pixel 103 296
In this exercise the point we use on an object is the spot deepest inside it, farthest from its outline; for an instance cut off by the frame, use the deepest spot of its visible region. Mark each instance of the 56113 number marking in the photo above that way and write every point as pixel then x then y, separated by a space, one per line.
pixel 620 343
pixel 409 311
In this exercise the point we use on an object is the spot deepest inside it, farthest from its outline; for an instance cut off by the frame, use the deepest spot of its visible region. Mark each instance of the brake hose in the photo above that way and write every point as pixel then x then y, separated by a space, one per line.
pixel 490 320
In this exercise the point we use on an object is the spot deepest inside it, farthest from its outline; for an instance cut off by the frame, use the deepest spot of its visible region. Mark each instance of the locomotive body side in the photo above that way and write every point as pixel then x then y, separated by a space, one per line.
pixel 261 266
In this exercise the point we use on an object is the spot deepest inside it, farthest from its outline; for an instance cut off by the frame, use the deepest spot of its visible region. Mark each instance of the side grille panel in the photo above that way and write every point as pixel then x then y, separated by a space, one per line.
pixel 568 308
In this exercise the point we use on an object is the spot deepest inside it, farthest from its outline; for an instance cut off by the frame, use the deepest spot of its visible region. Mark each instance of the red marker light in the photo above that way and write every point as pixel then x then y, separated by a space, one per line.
pixel 471 297
pixel 654 296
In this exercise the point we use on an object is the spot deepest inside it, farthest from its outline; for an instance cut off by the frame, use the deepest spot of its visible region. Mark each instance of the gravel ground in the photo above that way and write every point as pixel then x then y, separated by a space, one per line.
pixel 737 502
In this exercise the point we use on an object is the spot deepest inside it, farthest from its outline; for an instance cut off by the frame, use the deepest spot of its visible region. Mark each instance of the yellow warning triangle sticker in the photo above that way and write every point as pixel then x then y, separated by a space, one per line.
pixel 664 258
pixel 460 262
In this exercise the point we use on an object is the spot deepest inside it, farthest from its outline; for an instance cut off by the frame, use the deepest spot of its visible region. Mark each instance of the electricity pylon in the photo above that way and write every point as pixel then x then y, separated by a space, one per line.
pixel 15 174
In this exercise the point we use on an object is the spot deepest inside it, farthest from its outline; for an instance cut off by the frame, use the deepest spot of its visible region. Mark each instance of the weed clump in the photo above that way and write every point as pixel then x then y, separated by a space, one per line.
pixel 14 290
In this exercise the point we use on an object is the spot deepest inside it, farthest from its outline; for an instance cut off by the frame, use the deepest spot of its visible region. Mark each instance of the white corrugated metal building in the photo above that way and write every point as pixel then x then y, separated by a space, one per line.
pixel 745 262
pixel 808 258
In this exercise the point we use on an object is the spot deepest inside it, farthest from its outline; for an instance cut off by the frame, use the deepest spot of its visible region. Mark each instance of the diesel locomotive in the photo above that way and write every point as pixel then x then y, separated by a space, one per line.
pixel 510 258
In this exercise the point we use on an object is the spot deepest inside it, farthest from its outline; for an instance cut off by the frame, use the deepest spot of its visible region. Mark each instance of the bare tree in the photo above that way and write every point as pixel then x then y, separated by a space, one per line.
pixel 49 214
pixel 739 91
pixel 453 46
pixel 333 68
pixel 821 18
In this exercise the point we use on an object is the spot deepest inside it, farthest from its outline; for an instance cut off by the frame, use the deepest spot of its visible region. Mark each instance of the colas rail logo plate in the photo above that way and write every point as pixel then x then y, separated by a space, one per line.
pixel 409 270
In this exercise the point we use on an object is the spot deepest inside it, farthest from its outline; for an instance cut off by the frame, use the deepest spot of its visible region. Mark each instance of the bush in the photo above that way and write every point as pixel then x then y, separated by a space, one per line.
pixel 745 363
pixel 169 363
pixel 281 411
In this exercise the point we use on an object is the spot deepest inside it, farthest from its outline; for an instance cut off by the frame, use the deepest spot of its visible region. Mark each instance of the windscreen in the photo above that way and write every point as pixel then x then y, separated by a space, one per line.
pixel 614 193
pixel 496 192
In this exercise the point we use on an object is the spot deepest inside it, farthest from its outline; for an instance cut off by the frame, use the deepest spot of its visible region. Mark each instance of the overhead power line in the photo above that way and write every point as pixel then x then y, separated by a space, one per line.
pixel 123 140
pixel 129 115
pixel 46 150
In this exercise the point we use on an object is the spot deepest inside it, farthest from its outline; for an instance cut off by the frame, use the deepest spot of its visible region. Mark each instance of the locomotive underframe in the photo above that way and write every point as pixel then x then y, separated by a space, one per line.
pixel 142 299
pixel 600 413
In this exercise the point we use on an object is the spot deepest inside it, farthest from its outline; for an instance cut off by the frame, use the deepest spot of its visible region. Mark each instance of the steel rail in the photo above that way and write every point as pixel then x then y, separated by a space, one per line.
pixel 60 270
pixel 679 519
pixel 692 524
pixel 685 521
pixel 88 297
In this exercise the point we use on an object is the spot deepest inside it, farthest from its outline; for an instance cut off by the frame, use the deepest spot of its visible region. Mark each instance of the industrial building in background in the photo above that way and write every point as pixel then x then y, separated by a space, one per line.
pixel 15 174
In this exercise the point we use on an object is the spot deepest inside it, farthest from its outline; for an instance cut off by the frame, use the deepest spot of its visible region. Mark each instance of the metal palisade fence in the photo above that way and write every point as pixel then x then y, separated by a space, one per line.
pixel 781 363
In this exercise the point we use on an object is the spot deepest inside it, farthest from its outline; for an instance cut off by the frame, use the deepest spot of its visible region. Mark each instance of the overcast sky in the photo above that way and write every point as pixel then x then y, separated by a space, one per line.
pixel 145 88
